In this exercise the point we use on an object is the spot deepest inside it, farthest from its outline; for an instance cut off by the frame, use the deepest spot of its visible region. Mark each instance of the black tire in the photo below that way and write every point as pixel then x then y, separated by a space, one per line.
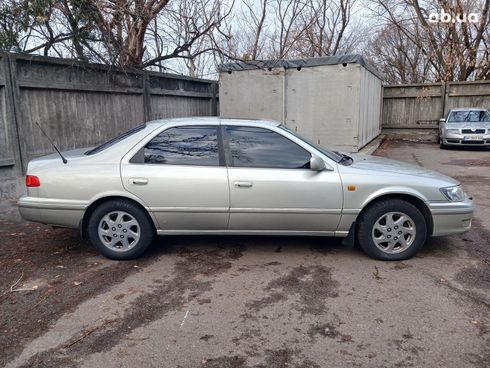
pixel 146 229
pixel 375 211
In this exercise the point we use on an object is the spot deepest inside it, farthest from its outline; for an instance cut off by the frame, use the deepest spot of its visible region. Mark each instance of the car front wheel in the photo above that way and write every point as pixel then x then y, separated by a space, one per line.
pixel 392 230
pixel 120 230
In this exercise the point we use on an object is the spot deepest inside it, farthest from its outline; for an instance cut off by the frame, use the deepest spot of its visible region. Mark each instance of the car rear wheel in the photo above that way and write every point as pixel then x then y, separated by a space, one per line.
pixel 392 230
pixel 120 230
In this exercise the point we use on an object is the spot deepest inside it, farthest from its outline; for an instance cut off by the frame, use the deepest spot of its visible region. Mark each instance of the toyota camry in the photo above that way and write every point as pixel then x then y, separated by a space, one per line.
pixel 232 176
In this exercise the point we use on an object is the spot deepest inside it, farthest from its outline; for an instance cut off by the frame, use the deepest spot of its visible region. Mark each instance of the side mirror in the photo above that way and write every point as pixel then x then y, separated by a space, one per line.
pixel 442 120
pixel 317 164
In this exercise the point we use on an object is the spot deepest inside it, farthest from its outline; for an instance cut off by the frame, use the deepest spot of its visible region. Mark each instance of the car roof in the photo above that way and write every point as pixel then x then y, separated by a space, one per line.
pixel 200 120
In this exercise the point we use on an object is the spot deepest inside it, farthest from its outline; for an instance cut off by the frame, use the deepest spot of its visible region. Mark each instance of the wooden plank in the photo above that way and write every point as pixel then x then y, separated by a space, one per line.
pixel 38 84
pixel 147 97
pixel 412 96
pixel 9 161
pixel 14 97
pixel 214 100
pixel 431 126
pixel 426 85
pixel 468 94
pixel 181 93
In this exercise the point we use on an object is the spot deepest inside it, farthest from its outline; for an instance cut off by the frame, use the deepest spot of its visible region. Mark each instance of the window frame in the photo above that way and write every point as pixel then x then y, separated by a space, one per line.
pixel 229 157
pixel 221 154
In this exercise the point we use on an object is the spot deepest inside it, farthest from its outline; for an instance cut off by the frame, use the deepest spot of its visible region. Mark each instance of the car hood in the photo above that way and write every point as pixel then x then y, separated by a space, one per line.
pixel 378 165
pixel 468 125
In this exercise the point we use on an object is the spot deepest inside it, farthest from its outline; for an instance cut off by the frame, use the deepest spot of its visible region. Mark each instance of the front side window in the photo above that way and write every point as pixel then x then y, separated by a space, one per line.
pixel 471 116
pixel 188 145
pixel 258 147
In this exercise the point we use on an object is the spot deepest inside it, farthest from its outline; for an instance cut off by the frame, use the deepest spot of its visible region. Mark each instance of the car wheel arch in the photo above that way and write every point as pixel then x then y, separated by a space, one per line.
pixel 96 203
pixel 419 203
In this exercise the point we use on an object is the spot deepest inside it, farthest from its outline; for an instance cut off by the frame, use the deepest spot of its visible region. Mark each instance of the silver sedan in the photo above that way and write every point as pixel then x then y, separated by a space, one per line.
pixel 229 176
pixel 465 127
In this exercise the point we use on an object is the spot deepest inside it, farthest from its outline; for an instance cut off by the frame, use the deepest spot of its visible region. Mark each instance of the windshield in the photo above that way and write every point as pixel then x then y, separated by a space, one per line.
pixel 471 116
pixel 330 154
pixel 115 140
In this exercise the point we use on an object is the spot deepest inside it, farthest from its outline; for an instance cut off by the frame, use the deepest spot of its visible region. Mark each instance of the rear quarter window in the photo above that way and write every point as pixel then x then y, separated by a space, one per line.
pixel 115 140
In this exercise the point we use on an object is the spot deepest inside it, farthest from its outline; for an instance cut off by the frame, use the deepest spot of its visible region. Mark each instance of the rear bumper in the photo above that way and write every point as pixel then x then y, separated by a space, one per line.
pixel 52 212
pixel 451 217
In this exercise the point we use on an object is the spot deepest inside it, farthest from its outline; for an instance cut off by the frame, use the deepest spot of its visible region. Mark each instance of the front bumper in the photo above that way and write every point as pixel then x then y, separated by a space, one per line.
pixel 451 217
pixel 65 213
pixel 466 139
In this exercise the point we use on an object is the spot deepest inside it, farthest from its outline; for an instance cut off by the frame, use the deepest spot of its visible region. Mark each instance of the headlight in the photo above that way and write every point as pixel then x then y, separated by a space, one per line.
pixel 452 131
pixel 454 194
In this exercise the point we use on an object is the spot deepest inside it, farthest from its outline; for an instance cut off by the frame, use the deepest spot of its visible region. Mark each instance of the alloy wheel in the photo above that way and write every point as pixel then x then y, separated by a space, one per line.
pixel 394 232
pixel 119 231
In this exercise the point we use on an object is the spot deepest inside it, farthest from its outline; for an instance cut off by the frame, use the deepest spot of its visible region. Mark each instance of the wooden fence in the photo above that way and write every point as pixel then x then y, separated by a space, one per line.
pixel 82 105
pixel 420 106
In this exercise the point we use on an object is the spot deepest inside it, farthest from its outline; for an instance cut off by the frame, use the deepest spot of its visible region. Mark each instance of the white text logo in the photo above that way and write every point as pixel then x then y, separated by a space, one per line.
pixel 449 18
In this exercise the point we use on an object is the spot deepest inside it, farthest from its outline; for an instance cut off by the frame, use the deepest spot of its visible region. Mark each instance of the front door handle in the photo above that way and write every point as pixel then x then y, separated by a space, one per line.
pixel 138 181
pixel 243 184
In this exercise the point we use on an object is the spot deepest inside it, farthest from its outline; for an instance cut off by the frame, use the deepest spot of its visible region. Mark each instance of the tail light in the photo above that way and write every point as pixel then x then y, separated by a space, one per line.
pixel 32 181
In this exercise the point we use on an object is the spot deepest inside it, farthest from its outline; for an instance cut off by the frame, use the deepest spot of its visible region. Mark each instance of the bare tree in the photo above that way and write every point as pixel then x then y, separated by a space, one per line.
pixel 184 30
pixel 456 49
pixel 258 21
pixel 115 32
pixel 397 58
pixel 326 25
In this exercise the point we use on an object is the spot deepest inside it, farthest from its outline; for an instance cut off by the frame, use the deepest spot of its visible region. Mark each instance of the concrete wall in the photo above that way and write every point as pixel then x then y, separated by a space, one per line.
pixel 252 94
pixel 82 105
pixel 333 105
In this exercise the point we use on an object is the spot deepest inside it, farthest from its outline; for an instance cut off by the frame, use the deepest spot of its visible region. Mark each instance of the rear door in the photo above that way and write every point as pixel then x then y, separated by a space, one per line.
pixel 180 175
pixel 272 187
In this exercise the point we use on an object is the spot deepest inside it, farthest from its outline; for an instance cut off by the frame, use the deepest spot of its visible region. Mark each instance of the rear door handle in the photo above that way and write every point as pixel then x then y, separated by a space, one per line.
pixel 138 181
pixel 243 184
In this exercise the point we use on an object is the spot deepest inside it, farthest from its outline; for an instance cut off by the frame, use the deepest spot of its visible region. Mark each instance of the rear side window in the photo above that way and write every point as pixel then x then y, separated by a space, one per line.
pixel 189 145
pixel 259 147
pixel 115 140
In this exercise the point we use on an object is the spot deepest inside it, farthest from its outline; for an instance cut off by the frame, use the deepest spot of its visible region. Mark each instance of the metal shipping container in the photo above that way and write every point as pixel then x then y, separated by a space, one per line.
pixel 334 101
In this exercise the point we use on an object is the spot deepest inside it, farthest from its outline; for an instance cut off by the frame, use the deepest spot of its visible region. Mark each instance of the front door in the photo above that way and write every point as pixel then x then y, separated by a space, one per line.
pixel 272 187
pixel 180 176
